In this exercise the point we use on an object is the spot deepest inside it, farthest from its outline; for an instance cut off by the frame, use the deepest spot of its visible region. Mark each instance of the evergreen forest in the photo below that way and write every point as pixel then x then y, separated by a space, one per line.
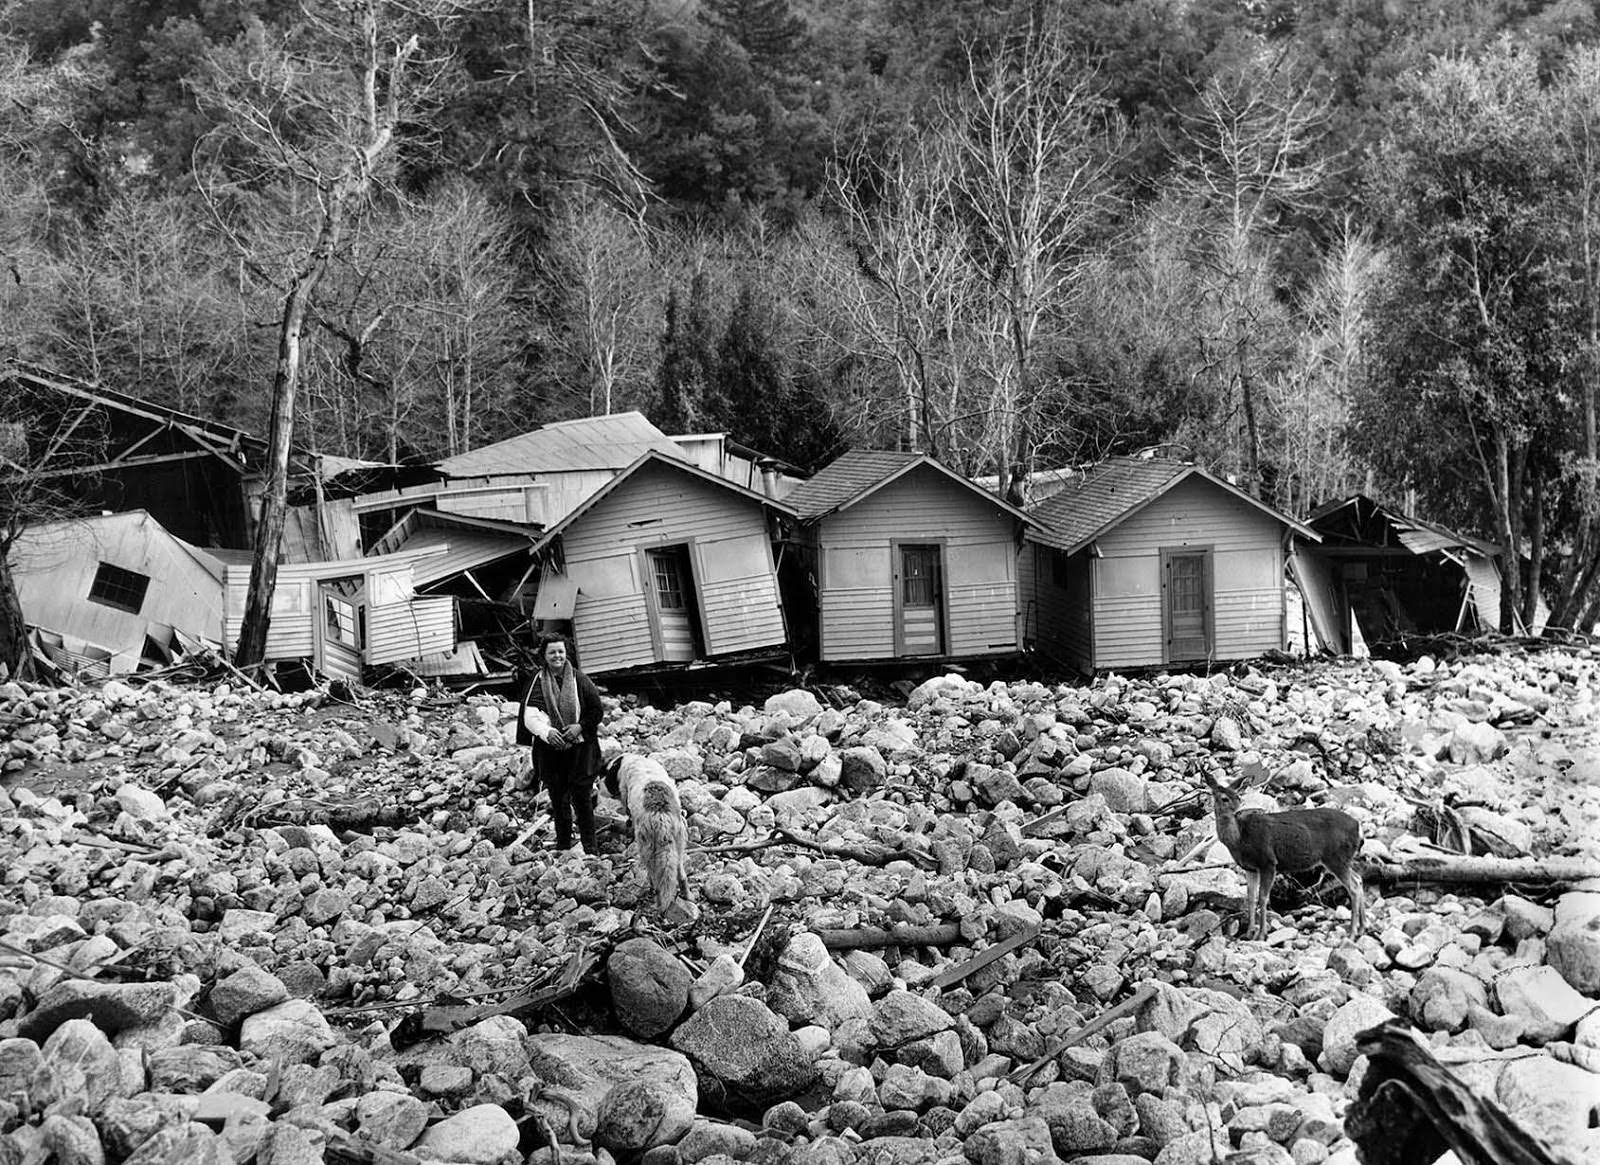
pixel 1319 246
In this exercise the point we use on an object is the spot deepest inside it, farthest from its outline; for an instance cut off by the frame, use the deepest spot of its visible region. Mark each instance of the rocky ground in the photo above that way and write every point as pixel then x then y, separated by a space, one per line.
pixel 240 925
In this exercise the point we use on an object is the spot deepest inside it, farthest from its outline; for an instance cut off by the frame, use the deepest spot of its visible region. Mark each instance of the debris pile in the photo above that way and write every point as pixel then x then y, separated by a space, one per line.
pixel 987 923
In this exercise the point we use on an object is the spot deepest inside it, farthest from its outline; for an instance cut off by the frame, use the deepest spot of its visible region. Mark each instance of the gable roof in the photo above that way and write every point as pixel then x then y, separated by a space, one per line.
pixel 1111 492
pixel 1415 534
pixel 655 457
pixel 860 473
pixel 609 442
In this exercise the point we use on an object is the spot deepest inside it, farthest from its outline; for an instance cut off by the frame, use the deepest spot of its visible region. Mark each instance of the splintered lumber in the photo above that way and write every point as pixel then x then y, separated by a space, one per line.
pixel 446 1018
pixel 983 958
pixel 939 934
pixel 1411 1110
pixel 1463 868
pixel 1127 1007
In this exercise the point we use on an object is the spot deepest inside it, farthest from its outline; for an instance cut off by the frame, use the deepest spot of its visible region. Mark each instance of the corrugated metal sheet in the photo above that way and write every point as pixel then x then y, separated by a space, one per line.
pixel 848 476
pixel 609 442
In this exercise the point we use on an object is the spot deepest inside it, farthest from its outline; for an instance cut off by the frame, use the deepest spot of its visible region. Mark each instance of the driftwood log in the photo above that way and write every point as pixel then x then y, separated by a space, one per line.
pixel 939 934
pixel 1411 1110
pixel 1463 868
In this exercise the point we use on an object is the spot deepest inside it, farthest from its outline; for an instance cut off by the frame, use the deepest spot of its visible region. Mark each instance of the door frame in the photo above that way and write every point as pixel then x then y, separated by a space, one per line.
pixel 897 591
pixel 647 579
pixel 1208 557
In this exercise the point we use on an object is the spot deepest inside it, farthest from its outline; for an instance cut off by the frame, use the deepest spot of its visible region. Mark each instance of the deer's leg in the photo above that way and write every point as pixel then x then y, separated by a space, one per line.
pixel 1358 900
pixel 1252 880
pixel 1266 875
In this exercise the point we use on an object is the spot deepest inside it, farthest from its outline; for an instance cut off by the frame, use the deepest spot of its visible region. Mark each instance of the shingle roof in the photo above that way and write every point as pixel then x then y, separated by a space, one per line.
pixel 1113 490
pixel 610 442
pixel 846 478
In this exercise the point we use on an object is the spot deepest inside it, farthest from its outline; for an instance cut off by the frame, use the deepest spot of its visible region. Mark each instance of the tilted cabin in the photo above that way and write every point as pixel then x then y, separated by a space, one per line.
pixel 342 615
pixel 664 564
pixel 911 559
pixel 113 588
pixel 1146 562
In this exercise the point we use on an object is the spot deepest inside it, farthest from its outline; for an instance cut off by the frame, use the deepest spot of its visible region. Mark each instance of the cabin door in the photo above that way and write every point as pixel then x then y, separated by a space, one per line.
pixel 1186 604
pixel 919 599
pixel 341 629
pixel 671 585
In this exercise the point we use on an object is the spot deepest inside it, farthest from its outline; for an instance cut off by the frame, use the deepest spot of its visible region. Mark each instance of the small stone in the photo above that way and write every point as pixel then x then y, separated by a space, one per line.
pixel 641 1114
pixel 480 1135
pixel 245 992
pixel 294 1031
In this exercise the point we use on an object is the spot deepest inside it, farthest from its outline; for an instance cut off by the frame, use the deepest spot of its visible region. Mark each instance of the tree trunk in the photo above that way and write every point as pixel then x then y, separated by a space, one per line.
pixel 15 654
pixel 1530 598
pixel 1510 566
pixel 252 647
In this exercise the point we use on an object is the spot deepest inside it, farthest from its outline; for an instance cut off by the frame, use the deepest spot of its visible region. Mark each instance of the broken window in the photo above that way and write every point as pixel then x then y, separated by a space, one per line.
pixel 115 587
pixel 345 622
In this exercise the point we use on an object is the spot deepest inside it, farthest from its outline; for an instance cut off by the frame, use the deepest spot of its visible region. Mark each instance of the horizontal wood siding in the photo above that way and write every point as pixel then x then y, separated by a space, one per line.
pixel 340 662
pixel 54 565
pixel 290 634
pixel 1247 571
pixel 659 506
pixel 858 622
pixel 406 630
pixel 739 593
pixel 612 632
pixel 980 567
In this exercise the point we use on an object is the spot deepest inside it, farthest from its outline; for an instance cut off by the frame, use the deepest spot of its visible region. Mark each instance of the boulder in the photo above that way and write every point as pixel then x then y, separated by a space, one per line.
pixel 1339 1034
pixel 900 1017
pixel 245 992
pixel 809 987
pixel 481 1135
pixel 1573 945
pixel 586 1067
pixel 1542 999
pixel 649 987
pixel 746 1050
pixel 112 1007
pixel 294 1031
pixel 640 1114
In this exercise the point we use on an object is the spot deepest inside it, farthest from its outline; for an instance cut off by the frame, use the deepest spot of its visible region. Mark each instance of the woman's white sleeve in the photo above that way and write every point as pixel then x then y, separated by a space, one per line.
pixel 537 722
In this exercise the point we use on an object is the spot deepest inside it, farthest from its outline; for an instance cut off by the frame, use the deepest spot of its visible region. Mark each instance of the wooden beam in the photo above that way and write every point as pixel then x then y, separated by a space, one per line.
pixel 101 467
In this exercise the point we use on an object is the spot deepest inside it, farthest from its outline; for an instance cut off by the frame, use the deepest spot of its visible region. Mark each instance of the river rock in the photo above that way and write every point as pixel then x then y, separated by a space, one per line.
pixel 293 1031
pixel 809 987
pixel 481 1135
pixel 586 1067
pixel 649 987
pixel 743 1047
pixel 112 1007
pixel 641 1114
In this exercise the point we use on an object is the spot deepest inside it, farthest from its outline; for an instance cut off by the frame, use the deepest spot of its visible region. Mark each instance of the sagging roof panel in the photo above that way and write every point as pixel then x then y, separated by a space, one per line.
pixel 609 442
pixel 846 478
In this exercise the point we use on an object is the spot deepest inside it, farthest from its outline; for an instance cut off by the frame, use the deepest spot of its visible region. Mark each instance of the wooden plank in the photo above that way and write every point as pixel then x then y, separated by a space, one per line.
pixel 981 960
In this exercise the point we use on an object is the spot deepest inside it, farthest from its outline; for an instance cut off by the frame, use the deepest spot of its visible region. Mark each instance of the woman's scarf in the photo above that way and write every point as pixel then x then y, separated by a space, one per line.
pixel 561 703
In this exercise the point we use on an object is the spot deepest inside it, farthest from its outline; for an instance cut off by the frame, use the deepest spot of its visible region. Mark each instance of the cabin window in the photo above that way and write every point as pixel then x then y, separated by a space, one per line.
pixel 669 581
pixel 345 622
pixel 122 589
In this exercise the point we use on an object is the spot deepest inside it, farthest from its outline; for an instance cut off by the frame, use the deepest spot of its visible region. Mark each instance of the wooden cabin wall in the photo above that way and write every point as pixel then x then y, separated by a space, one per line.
pixel 1247 565
pixel 857 568
pixel 55 565
pixel 735 578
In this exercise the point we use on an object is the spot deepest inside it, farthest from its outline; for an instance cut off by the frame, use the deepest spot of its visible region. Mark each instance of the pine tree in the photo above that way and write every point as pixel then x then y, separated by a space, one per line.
pixel 766 29
pixel 687 400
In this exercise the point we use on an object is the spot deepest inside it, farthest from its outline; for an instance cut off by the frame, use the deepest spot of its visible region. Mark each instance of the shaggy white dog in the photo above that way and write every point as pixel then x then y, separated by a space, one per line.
pixel 651 798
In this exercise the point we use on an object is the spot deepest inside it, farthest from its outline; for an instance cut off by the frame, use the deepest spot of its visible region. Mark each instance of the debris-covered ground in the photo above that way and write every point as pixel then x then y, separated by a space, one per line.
pixel 242 925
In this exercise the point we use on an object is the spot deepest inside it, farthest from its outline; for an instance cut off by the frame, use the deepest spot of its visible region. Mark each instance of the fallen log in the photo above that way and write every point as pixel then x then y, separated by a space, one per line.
pixel 878 855
pixel 1464 868
pixel 1411 1110
pixel 939 934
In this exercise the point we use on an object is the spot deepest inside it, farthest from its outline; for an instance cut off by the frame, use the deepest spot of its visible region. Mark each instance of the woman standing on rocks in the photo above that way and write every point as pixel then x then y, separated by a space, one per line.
pixel 560 718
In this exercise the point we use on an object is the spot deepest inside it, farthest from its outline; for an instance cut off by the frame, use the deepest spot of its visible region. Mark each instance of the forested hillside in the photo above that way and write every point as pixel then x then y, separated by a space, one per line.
pixel 1320 246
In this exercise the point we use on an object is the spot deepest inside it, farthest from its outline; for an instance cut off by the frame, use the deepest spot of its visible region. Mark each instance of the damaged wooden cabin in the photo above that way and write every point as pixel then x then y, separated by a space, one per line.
pixel 910 560
pixel 1379 576
pixel 1152 562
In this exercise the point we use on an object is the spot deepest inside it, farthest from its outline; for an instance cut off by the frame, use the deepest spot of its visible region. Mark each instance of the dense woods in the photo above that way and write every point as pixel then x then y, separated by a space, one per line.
pixel 1318 246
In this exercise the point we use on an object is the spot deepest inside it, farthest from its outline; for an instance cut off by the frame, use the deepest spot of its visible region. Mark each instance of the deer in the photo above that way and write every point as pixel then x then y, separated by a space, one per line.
pixel 1291 840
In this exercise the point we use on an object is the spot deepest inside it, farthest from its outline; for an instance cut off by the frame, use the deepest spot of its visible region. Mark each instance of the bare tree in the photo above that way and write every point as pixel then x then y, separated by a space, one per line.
pixel 602 264
pixel 1251 162
pixel 316 119
pixel 1313 400
pixel 906 280
pixel 1035 146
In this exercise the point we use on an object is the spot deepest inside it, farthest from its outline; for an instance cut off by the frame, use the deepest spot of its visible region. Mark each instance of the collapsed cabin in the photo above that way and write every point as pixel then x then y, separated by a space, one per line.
pixel 1379 576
